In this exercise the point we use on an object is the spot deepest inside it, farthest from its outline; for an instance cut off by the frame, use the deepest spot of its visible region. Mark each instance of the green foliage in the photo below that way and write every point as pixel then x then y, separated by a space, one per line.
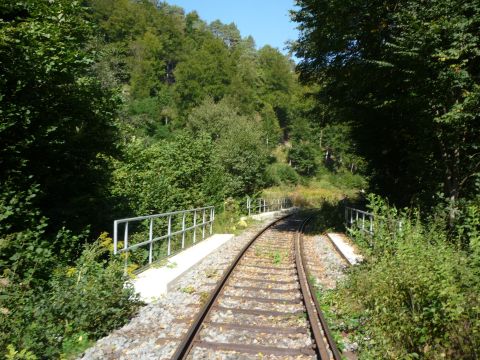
pixel 417 292
pixel 303 157
pixel 280 174
pixel 403 76
pixel 56 118
pixel 13 354
pixel 239 148
pixel 270 126
pixel 213 118
pixel 467 229
pixel 243 155
pixel 342 179
pixel 77 303
pixel 168 175
pixel 207 72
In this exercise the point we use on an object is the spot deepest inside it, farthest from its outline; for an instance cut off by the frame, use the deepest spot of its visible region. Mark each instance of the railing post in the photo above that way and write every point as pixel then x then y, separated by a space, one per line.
pixel 150 238
pixel 363 221
pixel 194 226
pixel 183 230
pixel 249 204
pixel 203 224
pixel 169 250
pixel 212 217
pixel 125 246
pixel 125 237
pixel 115 237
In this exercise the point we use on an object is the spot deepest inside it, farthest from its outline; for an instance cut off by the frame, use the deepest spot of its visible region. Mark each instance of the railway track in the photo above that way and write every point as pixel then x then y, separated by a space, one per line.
pixel 263 306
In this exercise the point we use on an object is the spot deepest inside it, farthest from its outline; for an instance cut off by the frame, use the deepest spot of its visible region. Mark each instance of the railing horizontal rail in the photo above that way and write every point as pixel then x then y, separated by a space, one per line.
pixel 261 205
pixel 133 247
pixel 145 217
pixel 362 219
pixel 165 226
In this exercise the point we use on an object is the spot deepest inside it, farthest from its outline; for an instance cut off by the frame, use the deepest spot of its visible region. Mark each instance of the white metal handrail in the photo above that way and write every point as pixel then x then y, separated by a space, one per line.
pixel 207 218
pixel 363 219
pixel 258 206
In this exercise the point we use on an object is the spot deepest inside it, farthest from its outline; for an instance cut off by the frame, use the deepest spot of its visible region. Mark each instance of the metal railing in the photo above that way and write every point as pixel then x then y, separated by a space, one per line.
pixel 258 206
pixel 361 219
pixel 165 226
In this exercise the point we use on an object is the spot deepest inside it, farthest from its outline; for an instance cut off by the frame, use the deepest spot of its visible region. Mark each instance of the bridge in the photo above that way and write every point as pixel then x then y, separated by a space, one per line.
pixel 194 280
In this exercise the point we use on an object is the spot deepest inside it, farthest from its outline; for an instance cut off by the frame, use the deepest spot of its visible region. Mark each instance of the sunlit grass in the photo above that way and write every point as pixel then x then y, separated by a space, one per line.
pixel 312 193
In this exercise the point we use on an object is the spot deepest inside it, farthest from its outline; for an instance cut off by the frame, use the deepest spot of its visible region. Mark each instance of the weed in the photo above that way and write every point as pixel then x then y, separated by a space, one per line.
pixel 172 265
pixel 204 295
pixel 211 273
pixel 188 289
pixel 277 257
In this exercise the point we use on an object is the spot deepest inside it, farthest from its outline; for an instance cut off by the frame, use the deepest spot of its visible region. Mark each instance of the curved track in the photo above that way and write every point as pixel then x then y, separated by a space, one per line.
pixel 262 306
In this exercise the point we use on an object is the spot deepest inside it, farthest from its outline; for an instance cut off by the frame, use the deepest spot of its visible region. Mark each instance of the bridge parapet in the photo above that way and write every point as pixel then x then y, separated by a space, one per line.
pixel 360 219
pixel 175 228
pixel 261 205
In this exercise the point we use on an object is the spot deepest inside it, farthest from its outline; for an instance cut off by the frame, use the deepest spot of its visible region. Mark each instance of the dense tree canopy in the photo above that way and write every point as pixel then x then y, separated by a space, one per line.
pixel 56 119
pixel 405 74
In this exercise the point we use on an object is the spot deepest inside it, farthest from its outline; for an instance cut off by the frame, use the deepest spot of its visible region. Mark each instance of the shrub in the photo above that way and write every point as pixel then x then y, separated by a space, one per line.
pixel 418 294
pixel 168 175
pixel 281 174
pixel 303 158
pixel 79 303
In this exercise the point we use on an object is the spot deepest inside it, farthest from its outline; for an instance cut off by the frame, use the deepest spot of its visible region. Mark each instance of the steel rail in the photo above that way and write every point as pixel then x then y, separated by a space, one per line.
pixel 318 322
pixel 185 346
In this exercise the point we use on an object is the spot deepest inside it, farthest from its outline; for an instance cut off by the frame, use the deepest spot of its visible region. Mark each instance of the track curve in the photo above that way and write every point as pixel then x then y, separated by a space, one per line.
pixel 263 306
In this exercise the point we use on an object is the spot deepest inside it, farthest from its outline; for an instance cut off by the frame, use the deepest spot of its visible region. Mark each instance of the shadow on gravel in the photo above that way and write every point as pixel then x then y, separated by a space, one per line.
pixel 330 217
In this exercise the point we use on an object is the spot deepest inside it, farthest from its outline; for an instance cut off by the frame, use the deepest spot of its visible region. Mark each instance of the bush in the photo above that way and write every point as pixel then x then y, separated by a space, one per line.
pixel 417 293
pixel 78 304
pixel 281 174
pixel 168 175
pixel 303 158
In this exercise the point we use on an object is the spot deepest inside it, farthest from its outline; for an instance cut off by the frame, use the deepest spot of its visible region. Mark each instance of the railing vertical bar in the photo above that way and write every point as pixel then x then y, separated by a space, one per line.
pixel 212 216
pixel 183 230
pixel 115 237
pixel 150 238
pixel 125 246
pixel 194 226
pixel 203 224
pixel 125 237
pixel 169 250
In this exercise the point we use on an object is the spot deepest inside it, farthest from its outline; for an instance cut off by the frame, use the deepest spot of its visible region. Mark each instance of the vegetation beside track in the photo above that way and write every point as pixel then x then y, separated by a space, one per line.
pixel 417 293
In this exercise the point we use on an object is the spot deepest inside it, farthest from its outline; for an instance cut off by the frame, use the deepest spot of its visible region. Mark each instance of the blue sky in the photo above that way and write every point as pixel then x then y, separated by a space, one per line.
pixel 267 21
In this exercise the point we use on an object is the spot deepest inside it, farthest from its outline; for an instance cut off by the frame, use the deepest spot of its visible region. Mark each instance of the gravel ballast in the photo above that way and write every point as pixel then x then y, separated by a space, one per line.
pixel 158 328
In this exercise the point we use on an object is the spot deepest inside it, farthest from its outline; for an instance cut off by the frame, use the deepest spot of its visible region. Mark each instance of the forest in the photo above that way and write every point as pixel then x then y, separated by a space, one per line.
pixel 117 108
